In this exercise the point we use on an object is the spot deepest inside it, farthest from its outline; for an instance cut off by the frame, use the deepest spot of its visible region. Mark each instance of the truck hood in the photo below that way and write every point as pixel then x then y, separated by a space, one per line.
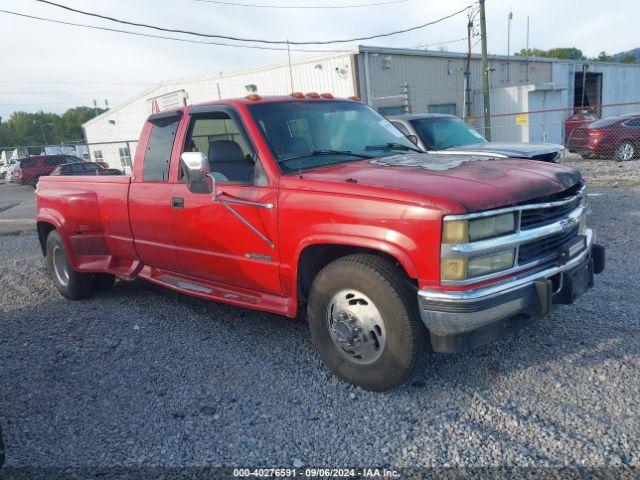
pixel 475 182
pixel 536 151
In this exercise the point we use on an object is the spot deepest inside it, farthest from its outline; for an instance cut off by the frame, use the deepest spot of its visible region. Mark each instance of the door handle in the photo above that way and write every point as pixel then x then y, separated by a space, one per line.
pixel 177 202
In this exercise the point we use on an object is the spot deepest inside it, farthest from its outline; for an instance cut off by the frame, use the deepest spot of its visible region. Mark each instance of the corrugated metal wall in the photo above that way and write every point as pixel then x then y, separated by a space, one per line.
pixel 434 81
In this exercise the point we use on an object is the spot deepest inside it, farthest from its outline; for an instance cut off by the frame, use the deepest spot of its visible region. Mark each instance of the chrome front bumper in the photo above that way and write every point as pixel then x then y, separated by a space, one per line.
pixel 459 320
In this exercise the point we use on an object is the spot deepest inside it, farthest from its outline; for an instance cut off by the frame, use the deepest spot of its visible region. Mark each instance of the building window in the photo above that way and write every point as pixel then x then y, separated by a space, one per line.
pixel 125 156
pixel 97 155
pixel 448 108
pixel 399 110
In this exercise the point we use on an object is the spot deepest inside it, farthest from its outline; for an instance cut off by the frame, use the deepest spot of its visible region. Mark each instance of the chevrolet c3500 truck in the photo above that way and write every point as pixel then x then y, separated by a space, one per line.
pixel 309 201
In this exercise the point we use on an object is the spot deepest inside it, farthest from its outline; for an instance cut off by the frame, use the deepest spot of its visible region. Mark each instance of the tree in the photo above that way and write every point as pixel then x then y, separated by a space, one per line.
pixel 604 57
pixel 629 58
pixel 568 53
pixel 22 128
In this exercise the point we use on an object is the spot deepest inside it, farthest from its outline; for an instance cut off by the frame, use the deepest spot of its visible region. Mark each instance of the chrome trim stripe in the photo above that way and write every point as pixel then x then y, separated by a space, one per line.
pixel 500 288
pixel 453 250
pixel 529 206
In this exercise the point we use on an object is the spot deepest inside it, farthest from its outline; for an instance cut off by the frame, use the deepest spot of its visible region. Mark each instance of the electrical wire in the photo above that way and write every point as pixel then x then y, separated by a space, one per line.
pixel 150 35
pixel 254 40
pixel 425 45
pixel 254 5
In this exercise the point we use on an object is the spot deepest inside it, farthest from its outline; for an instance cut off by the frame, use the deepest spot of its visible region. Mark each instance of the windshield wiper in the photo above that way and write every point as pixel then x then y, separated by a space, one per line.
pixel 393 146
pixel 320 153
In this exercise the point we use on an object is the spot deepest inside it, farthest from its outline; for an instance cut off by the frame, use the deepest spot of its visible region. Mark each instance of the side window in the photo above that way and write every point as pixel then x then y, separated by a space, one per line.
pixel 231 158
pixel 401 127
pixel 158 155
pixel 97 155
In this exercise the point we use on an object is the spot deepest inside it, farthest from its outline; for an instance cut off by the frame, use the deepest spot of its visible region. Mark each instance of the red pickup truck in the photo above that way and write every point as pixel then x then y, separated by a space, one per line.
pixel 283 202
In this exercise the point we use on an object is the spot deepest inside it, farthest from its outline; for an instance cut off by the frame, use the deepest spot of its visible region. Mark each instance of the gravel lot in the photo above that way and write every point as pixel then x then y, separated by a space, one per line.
pixel 144 377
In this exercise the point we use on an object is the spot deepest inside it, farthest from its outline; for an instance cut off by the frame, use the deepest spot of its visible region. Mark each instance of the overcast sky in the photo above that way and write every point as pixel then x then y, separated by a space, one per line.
pixel 53 67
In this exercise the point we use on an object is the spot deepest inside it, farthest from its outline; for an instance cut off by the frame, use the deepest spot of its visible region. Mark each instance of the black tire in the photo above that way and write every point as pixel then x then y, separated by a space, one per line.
pixel 626 146
pixel 103 281
pixel 387 287
pixel 71 284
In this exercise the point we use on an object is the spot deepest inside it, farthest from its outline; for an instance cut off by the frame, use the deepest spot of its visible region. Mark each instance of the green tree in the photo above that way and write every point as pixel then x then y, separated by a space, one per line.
pixel 568 53
pixel 629 58
pixel 24 128
pixel 604 57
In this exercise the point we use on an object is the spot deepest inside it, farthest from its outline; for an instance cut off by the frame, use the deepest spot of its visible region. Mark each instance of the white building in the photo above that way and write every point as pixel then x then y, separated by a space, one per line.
pixel 397 81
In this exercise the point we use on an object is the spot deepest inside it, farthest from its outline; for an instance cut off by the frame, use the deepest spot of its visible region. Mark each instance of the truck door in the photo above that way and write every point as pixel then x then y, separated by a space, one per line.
pixel 150 193
pixel 231 240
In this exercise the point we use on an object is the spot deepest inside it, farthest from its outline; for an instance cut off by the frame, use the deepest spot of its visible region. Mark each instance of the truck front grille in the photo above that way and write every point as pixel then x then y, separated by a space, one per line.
pixel 547 248
pixel 540 217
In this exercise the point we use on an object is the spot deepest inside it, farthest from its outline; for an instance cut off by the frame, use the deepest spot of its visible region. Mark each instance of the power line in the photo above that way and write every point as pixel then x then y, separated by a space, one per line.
pixel 424 45
pixel 254 40
pixel 150 35
pixel 255 5
pixel 23 82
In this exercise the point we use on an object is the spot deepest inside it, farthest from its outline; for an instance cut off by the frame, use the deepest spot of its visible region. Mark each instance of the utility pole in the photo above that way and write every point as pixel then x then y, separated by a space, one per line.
pixel 467 72
pixel 485 73
pixel 509 18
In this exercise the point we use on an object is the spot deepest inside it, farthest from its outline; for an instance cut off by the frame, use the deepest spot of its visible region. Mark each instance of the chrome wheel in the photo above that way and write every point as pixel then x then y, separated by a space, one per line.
pixel 625 151
pixel 356 326
pixel 60 266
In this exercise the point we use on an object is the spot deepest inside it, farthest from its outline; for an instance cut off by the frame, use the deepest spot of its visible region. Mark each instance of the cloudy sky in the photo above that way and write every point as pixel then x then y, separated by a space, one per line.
pixel 53 67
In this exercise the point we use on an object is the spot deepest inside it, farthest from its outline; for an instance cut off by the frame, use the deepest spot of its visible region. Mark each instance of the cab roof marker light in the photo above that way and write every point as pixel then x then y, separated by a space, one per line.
pixel 326 95
pixel 313 95
pixel 297 95
pixel 355 98
pixel 254 97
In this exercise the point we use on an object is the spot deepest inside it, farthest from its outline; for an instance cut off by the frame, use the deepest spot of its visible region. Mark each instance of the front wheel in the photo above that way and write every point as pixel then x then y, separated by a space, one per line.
pixel 364 321
pixel 71 284
pixel 625 151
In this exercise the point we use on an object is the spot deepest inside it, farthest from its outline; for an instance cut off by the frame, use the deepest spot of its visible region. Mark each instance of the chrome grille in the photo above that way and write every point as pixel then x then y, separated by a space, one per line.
pixel 547 248
pixel 545 216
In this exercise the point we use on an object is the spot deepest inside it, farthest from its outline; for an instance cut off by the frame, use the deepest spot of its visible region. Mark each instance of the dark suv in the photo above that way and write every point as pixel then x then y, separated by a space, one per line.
pixel 32 168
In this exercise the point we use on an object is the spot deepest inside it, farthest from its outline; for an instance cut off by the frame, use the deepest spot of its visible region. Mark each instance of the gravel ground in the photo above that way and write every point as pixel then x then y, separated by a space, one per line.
pixel 144 377
pixel 607 173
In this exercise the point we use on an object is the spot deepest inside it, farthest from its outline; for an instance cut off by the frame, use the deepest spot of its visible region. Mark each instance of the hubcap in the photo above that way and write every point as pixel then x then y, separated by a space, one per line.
pixel 625 151
pixel 356 326
pixel 60 265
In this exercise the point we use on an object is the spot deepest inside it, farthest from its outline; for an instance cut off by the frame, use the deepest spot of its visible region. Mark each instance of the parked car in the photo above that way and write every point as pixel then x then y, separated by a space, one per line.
pixel 4 167
pixel 84 168
pixel 11 175
pixel 617 137
pixel 32 168
pixel 441 132
pixel 579 120
pixel 326 205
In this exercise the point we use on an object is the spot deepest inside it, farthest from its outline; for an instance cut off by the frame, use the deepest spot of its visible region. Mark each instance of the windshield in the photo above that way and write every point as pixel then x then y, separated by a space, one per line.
pixel 438 133
pixel 304 135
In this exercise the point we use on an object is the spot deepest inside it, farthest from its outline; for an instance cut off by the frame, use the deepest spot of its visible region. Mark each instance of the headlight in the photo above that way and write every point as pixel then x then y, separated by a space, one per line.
pixel 491 263
pixel 462 268
pixel 463 231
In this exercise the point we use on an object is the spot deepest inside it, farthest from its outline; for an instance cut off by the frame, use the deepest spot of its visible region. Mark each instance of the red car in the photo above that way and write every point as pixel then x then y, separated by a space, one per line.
pixel 282 202
pixel 32 168
pixel 84 168
pixel 612 137
pixel 581 119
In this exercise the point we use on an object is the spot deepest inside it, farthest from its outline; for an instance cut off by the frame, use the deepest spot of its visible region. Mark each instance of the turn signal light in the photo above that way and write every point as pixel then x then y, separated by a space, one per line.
pixel 253 97
pixel 297 95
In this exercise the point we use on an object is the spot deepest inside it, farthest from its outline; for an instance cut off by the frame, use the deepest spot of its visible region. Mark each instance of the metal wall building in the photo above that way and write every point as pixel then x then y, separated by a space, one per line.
pixel 397 81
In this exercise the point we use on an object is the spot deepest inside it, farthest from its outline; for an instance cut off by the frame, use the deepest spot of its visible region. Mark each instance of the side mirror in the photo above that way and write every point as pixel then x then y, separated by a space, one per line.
pixel 413 139
pixel 196 172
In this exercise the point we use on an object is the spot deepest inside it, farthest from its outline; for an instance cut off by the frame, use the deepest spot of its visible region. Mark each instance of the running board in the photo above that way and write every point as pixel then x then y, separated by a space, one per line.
pixel 209 290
